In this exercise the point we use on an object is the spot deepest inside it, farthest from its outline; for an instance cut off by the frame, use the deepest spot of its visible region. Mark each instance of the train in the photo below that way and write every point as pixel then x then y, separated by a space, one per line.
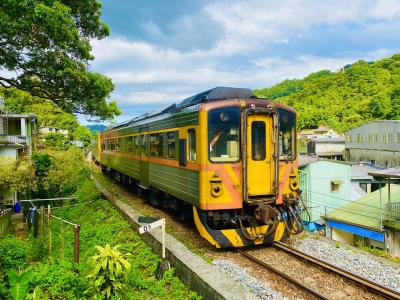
pixel 223 157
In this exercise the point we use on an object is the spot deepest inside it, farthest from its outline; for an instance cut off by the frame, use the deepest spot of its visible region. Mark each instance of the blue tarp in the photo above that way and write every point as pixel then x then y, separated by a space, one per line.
pixel 373 235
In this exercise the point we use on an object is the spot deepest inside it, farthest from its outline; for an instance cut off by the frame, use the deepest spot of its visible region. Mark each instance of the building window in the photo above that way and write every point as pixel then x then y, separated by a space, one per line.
pixel 364 187
pixel 335 185
pixel 192 145
pixel 372 137
pixel 156 144
pixel 129 144
pixel 171 148
pixel 387 137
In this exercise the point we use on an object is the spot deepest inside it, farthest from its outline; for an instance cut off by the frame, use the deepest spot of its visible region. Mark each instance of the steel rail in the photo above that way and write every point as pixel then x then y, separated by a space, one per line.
pixel 382 290
pixel 287 277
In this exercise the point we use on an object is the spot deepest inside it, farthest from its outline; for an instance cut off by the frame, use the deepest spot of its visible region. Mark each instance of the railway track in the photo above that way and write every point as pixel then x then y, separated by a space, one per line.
pixel 380 289
pixel 373 286
pixel 282 274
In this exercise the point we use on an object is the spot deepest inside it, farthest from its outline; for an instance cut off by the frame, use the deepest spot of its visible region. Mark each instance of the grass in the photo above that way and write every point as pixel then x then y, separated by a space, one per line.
pixel 54 278
pixel 379 252
pixel 145 210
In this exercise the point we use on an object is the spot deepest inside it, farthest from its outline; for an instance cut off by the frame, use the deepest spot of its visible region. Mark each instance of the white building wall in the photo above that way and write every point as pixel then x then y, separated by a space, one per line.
pixel 342 236
pixel 8 152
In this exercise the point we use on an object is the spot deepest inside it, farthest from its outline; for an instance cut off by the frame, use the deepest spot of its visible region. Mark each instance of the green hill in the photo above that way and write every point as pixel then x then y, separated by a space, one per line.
pixel 362 92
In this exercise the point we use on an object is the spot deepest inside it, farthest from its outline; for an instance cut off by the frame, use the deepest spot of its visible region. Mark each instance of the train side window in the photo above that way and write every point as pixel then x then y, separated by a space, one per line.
pixel 118 144
pixel 129 144
pixel 112 144
pixel 103 146
pixel 171 137
pixel 136 144
pixel 143 145
pixel 192 155
pixel 156 144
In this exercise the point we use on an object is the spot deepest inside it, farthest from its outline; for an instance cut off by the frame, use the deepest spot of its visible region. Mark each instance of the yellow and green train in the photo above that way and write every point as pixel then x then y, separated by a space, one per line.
pixel 223 156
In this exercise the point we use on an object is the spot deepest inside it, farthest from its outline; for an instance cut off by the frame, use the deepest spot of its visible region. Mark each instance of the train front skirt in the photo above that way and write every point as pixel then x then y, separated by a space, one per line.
pixel 232 238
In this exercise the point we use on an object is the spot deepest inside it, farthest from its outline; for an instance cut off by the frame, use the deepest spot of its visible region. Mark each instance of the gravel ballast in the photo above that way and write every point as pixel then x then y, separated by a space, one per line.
pixel 255 286
pixel 358 262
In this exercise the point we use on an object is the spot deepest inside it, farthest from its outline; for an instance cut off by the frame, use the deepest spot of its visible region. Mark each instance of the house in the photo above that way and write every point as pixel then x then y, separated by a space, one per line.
pixel 17 138
pixel 373 220
pixel 321 131
pixel 377 142
pixel 325 185
pixel 326 147
pixel 49 129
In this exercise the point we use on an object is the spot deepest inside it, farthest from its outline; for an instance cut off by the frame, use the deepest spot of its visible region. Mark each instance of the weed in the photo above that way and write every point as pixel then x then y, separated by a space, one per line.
pixel 13 253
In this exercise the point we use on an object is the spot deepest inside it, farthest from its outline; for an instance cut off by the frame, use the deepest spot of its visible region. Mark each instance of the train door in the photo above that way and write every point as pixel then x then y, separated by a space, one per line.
pixel 144 158
pixel 260 157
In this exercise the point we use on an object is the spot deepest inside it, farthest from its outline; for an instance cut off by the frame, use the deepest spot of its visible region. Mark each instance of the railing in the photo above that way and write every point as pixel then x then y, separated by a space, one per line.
pixel 393 211
pixel 12 139
pixel 5 221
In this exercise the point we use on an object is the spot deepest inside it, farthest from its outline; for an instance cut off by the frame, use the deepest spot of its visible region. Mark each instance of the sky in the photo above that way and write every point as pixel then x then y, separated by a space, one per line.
pixel 162 51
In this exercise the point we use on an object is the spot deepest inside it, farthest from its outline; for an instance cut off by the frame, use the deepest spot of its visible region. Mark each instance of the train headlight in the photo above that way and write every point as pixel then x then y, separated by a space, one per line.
pixel 293 184
pixel 216 186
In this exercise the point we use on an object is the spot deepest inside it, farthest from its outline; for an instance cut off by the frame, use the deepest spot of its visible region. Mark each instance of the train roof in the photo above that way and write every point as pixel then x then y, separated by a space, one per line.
pixel 214 94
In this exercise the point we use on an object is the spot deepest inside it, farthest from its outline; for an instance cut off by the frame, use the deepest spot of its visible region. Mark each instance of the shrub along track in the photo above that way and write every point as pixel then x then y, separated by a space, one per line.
pixel 331 285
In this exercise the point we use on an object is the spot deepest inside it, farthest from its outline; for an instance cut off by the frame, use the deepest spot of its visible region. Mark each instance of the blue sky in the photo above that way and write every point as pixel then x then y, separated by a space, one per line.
pixel 161 51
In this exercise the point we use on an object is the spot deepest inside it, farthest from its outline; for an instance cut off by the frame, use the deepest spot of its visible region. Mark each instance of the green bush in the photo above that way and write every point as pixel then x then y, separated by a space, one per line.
pixel 13 253
pixel 58 280
pixel 110 270
pixel 38 250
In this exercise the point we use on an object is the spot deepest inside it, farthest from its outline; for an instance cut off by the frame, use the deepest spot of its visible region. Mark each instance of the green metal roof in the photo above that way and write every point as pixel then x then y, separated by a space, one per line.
pixel 365 212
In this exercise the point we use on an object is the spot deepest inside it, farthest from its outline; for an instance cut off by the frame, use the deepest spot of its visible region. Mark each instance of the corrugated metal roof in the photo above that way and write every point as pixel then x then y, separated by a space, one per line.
pixel 365 211
pixel 306 159
pixel 356 192
pixel 387 173
pixel 360 171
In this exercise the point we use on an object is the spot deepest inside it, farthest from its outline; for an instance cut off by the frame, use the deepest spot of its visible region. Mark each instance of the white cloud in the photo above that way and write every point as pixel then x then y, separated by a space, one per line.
pixel 147 73
pixel 255 23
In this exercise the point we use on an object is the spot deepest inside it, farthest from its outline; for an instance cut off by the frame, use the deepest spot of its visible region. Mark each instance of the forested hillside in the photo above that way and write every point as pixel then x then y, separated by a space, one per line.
pixel 360 93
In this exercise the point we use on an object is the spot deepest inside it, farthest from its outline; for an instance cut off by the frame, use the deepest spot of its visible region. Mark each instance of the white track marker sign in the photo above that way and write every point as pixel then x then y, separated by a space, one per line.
pixel 151 226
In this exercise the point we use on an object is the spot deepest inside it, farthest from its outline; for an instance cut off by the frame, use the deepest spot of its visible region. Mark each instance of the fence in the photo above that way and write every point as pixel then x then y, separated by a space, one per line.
pixel 41 219
pixel 393 211
pixel 12 139
pixel 5 221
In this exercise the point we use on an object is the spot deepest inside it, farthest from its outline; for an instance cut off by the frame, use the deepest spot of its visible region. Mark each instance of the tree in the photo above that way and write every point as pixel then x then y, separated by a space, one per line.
pixel 362 92
pixel 83 134
pixel 45 50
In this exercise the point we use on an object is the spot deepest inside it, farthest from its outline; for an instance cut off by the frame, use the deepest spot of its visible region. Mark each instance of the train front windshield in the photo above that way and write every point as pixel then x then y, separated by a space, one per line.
pixel 223 134
pixel 287 132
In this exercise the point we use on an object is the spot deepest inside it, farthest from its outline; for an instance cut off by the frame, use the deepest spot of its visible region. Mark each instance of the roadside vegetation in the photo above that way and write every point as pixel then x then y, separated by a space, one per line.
pixel 28 271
